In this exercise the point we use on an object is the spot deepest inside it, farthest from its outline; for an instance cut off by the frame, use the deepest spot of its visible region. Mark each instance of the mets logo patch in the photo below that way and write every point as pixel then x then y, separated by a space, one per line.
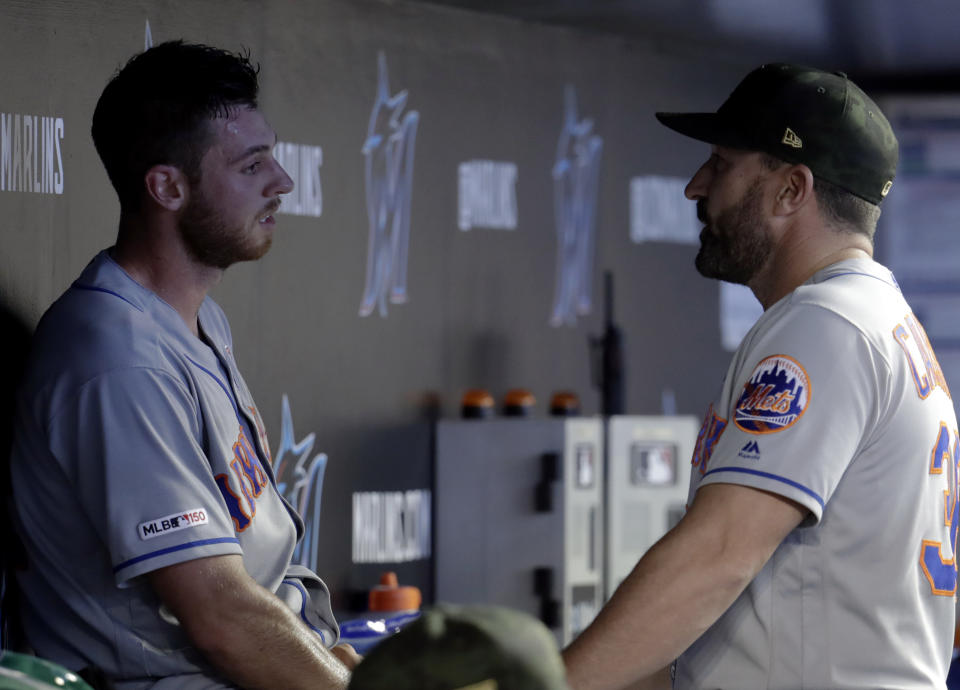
pixel 775 396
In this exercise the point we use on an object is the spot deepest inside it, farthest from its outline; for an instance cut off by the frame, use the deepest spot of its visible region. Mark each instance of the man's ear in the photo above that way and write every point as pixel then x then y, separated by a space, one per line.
pixel 167 186
pixel 795 191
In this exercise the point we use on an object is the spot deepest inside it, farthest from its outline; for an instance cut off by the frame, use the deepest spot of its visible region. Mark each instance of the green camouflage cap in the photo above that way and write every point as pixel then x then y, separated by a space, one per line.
pixel 804 115
pixel 465 648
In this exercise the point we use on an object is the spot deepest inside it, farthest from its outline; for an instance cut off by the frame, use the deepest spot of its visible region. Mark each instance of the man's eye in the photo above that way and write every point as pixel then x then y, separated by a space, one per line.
pixel 252 168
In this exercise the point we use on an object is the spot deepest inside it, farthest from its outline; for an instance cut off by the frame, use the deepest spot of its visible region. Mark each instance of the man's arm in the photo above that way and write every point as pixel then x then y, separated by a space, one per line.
pixel 681 586
pixel 244 630
pixel 660 680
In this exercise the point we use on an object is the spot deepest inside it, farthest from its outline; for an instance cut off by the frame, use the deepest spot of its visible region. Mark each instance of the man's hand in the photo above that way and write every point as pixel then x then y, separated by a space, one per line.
pixel 244 630
pixel 347 655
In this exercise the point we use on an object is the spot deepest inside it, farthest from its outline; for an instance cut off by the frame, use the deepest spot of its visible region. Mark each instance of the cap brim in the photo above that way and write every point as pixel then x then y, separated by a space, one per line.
pixel 708 127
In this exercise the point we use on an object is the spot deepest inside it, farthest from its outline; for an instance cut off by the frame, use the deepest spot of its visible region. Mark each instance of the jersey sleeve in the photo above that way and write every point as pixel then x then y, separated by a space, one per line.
pixel 141 474
pixel 803 400
pixel 308 596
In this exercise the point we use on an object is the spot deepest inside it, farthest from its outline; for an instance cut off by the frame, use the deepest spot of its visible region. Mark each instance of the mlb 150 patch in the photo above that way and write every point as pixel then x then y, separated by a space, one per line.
pixel 172 523
pixel 775 396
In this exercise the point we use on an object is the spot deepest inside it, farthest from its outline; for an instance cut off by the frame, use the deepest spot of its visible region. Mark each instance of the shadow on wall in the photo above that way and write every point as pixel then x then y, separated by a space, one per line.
pixel 15 335
pixel 489 363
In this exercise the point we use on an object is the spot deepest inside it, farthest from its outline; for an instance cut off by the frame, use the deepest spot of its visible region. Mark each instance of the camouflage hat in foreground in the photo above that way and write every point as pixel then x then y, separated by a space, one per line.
pixel 803 115
pixel 465 648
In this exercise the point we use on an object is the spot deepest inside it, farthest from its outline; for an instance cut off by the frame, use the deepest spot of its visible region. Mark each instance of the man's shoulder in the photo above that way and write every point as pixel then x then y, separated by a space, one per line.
pixel 94 328
pixel 863 293
pixel 88 325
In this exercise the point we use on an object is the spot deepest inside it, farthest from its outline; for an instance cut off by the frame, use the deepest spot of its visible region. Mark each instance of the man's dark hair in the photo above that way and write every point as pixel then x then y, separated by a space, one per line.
pixel 846 210
pixel 840 208
pixel 157 108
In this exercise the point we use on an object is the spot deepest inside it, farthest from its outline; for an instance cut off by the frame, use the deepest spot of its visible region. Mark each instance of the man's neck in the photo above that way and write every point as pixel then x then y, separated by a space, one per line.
pixel 801 255
pixel 155 258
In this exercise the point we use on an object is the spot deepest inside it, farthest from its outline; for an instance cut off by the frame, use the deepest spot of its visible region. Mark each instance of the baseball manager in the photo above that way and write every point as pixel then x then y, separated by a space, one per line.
pixel 818 548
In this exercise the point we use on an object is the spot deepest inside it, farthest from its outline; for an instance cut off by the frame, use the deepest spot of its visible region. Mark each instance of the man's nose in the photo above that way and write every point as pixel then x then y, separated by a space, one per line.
pixel 697 186
pixel 283 184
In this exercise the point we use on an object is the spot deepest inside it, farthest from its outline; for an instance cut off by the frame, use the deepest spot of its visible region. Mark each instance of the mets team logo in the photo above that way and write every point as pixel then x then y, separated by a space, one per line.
pixel 775 396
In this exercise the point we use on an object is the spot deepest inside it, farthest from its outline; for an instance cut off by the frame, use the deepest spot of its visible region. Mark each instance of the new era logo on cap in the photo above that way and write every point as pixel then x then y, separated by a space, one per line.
pixel 790 138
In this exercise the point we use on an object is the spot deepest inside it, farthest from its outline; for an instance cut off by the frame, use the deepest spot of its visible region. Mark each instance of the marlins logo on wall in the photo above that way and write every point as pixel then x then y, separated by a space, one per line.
pixel 775 396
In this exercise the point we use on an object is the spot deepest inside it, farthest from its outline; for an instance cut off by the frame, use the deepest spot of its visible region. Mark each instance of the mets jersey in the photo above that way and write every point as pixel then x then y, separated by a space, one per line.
pixel 836 401
pixel 138 446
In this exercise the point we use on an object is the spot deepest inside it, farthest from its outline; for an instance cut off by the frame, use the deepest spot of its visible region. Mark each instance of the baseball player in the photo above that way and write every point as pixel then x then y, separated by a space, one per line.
pixel 818 549
pixel 158 545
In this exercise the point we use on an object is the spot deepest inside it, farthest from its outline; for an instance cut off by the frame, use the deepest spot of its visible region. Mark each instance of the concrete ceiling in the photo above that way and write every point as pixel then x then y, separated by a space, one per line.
pixel 905 44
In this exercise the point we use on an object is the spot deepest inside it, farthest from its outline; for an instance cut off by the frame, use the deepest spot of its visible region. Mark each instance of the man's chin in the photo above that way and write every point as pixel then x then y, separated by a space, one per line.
pixel 704 266
pixel 258 252
pixel 713 270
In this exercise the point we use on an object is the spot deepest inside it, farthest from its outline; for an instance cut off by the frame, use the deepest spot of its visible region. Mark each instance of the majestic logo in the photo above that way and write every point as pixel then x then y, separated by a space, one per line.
pixel 774 398
pixel 790 138
pixel 172 523
pixel 751 451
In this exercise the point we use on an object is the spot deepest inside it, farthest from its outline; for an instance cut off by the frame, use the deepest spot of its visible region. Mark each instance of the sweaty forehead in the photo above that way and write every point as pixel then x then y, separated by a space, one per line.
pixel 240 130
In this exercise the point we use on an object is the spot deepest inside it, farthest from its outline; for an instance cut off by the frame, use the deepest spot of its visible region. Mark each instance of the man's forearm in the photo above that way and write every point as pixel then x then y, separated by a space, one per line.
pixel 264 645
pixel 658 611
pixel 680 587
pixel 244 630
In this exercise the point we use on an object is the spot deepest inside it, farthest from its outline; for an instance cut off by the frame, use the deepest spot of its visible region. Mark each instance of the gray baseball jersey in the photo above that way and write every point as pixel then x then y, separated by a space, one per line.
pixel 836 401
pixel 137 446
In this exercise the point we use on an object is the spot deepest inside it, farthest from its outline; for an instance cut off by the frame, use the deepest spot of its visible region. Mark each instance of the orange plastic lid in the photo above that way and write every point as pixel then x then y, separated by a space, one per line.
pixel 564 403
pixel 389 596
pixel 477 403
pixel 477 397
pixel 519 398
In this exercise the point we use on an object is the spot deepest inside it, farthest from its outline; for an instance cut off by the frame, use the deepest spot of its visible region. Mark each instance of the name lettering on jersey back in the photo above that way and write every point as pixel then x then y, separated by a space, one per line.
pixel 249 477
pixel 926 371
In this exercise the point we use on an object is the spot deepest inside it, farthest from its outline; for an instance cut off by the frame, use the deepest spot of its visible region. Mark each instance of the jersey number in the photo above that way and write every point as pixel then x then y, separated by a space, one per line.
pixel 942 572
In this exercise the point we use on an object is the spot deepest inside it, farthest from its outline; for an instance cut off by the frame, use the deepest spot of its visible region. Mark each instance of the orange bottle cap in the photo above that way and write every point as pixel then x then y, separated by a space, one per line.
pixel 518 402
pixel 564 403
pixel 390 596
pixel 477 403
